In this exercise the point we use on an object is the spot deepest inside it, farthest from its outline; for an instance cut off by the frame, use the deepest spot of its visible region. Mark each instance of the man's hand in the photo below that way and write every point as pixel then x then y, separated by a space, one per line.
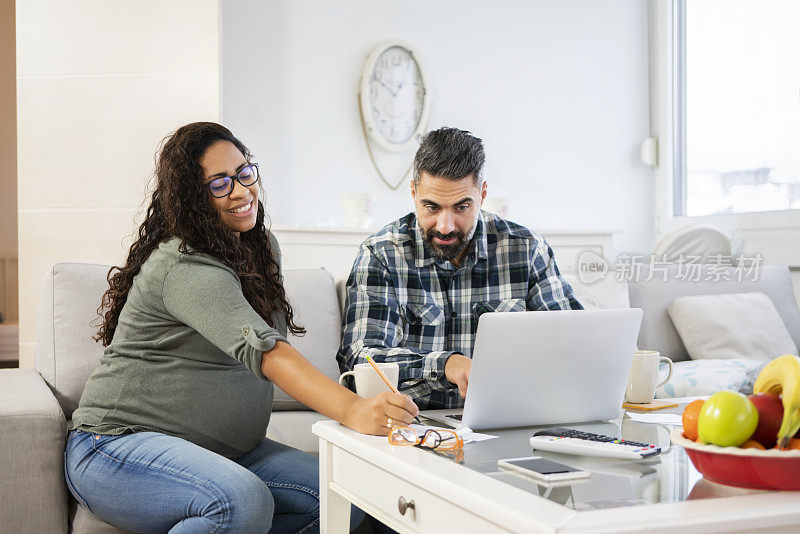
pixel 456 370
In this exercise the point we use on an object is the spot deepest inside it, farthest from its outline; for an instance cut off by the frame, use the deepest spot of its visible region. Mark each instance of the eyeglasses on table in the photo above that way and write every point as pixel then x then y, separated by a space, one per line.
pixel 441 439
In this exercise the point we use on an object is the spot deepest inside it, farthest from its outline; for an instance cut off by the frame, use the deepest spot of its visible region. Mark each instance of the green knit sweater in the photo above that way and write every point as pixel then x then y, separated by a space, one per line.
pixel 185 359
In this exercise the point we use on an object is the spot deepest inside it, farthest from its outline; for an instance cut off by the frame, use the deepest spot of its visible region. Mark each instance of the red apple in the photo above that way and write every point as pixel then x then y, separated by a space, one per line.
pixel 770 415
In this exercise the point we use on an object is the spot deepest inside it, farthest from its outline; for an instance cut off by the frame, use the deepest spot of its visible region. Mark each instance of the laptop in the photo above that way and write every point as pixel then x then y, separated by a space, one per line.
pixel 539 368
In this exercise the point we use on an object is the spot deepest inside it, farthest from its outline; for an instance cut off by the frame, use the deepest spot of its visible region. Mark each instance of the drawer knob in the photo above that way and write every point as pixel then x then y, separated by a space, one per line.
pixel 403 505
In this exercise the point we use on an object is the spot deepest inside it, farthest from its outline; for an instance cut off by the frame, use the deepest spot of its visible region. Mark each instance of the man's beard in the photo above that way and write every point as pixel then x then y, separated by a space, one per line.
pixel 446 252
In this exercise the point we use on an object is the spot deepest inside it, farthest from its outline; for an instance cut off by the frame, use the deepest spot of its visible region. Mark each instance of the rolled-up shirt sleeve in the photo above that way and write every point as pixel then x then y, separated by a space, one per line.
pixel 207 296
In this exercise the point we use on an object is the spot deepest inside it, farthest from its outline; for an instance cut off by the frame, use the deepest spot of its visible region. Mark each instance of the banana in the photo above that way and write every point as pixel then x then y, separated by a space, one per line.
pixel 781 376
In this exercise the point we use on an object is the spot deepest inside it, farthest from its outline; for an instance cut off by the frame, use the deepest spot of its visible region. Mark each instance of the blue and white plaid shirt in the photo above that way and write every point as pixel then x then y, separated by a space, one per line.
pixel 404 306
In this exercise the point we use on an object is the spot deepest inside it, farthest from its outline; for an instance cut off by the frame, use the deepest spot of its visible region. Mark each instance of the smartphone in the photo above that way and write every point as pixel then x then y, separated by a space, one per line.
pixel 543 469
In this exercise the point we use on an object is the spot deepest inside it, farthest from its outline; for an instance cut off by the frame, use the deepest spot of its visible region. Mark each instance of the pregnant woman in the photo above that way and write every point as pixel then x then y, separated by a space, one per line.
pixel 169 434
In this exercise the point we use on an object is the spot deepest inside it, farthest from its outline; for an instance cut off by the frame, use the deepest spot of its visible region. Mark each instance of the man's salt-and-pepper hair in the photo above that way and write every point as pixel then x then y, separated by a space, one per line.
pixel 450 153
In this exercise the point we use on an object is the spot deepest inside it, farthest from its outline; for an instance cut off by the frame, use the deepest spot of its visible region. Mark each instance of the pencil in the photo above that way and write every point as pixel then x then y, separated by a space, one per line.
pixel 386 379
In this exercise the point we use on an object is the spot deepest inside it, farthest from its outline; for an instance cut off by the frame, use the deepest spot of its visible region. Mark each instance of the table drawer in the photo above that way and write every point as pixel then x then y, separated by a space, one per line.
pixel 384 490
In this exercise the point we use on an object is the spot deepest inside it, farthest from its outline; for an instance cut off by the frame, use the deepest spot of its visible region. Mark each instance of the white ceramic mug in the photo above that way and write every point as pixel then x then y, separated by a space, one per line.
pixel 368 382
pixel 642 379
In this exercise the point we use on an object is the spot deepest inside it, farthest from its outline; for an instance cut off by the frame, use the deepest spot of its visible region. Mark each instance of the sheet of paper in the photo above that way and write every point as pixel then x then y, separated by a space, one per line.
pixel 465 433
pixel 658 418
pixel 468 435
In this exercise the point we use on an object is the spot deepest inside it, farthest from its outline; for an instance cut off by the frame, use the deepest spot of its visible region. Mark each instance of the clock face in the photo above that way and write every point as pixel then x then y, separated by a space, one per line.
pixel 396 94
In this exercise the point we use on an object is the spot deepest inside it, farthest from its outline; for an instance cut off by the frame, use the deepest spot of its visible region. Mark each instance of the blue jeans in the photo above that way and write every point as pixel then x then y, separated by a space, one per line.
pixel 150 482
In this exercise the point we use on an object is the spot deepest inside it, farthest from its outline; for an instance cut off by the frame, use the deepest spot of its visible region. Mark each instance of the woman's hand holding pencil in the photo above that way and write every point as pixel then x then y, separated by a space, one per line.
pixel 379 414
pixel 388 383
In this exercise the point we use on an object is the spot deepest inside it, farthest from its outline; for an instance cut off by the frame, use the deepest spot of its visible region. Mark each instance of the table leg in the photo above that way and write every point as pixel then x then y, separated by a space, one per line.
pixel 334 510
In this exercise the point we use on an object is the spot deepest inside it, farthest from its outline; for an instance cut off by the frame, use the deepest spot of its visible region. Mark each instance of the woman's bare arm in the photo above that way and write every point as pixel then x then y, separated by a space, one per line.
pixel 295 375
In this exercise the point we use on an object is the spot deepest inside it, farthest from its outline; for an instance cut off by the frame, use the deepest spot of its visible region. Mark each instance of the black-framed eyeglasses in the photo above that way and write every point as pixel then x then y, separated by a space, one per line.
pixel 442 439
pixel 223 186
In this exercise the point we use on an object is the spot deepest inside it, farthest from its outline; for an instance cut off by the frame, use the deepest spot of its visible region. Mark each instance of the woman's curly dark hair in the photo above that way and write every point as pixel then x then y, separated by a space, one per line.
pixel 180 207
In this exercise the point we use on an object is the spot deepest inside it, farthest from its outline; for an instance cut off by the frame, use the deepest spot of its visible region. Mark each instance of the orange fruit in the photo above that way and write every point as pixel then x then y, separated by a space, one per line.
pixel 690 414
pixel 794 443
pixel 752 444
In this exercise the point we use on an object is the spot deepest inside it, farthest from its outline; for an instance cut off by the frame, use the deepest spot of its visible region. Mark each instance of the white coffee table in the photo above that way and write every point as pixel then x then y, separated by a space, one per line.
pixel 663 495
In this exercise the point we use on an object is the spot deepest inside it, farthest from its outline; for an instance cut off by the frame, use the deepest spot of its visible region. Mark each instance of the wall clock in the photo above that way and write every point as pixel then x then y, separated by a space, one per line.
pixel 394 100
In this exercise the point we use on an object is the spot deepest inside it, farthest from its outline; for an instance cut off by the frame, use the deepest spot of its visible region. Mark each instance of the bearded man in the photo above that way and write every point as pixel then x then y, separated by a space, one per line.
pixel 419 285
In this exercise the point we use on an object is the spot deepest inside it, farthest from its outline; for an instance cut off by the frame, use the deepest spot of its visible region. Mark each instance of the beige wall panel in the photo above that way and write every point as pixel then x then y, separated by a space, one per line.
pixel 95 236
pixel 26 351
pixel 99 84
pixel 123 36
pixel 89 141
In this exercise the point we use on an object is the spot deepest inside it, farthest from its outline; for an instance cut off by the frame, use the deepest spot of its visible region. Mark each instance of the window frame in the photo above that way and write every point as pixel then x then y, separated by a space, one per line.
pixel 668 100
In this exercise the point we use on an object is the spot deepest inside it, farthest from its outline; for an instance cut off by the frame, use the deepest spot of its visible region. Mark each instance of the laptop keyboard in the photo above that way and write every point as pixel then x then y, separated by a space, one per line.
pixel 456 416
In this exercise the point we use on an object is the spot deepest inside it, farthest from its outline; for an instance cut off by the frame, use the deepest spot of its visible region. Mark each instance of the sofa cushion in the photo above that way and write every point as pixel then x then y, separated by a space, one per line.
pixel 82 521
pixel 731 325
pixel 312 295
pixel 653 288
pixel 294 429
pixel 65 353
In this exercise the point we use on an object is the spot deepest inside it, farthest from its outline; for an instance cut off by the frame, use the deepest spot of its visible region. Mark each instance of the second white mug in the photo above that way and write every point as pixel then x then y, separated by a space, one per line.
pixel 368 382
pixel 642 379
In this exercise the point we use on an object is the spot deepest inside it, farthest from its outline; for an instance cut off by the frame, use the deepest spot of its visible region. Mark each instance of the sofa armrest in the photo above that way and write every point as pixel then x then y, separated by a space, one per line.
pixel 32 440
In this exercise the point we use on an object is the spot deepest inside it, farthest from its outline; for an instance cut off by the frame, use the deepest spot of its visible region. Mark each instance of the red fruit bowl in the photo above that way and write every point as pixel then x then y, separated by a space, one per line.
pixel 745 468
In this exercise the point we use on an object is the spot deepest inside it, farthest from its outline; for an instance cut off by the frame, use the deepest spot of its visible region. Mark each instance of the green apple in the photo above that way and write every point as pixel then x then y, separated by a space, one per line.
pixel 727 419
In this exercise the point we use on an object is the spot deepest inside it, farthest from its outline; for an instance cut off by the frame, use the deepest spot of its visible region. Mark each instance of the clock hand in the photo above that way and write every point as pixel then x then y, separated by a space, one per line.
pixel 387 88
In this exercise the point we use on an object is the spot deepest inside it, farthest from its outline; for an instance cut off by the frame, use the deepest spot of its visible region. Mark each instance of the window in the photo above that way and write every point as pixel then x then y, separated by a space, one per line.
pixel 737 106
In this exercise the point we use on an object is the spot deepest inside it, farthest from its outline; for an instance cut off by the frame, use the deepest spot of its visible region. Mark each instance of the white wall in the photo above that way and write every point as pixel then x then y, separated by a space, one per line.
pixel 557 90
pixel 99 84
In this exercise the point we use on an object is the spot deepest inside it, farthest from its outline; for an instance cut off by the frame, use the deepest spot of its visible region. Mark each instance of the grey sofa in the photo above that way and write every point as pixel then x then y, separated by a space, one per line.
pixel 654 291
pixel 36 404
